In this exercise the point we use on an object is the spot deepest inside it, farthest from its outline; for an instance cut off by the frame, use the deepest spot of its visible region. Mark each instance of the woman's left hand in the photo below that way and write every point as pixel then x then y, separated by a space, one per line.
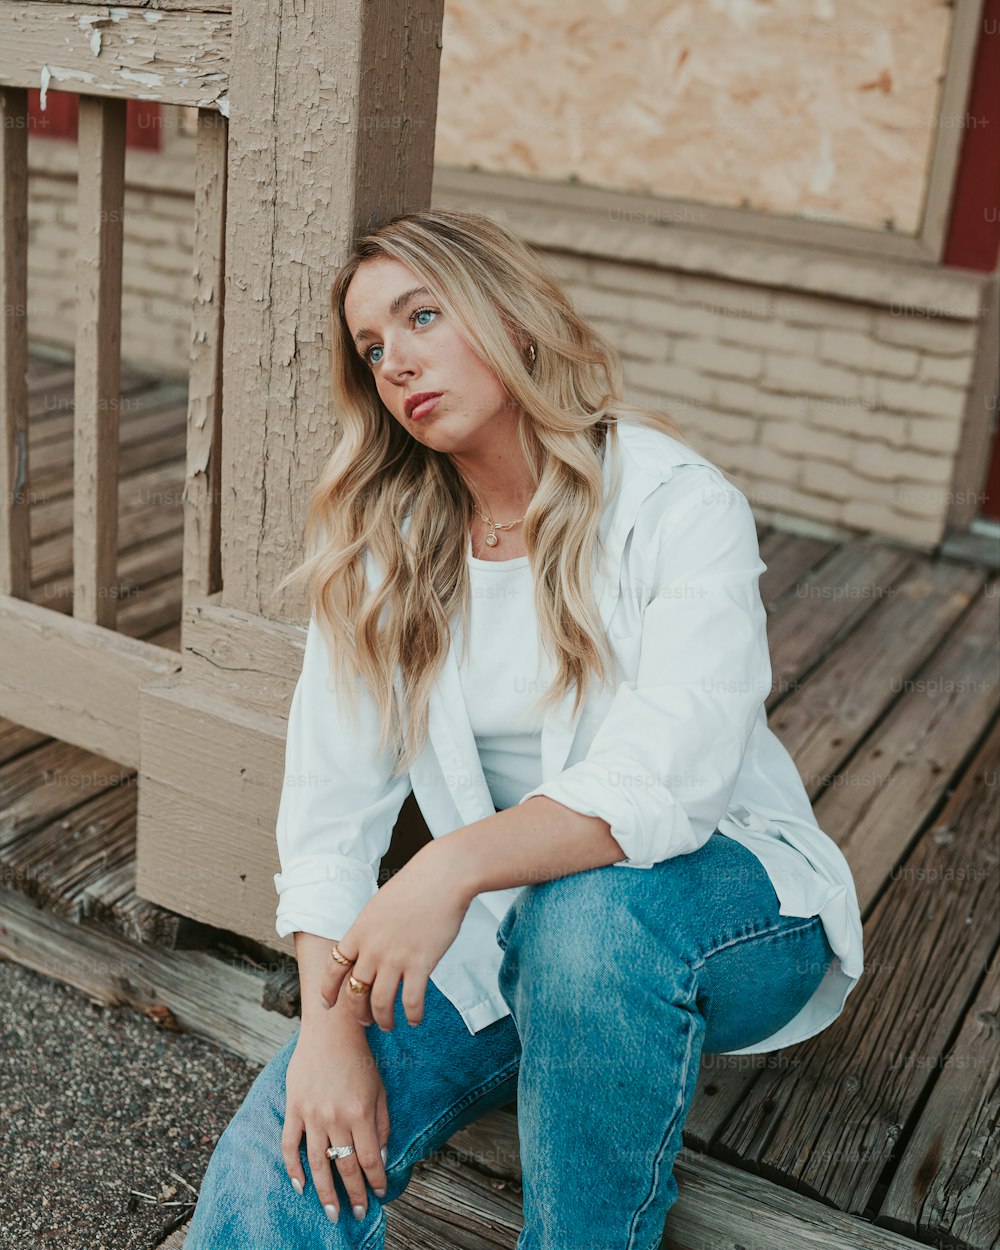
pixel 401 933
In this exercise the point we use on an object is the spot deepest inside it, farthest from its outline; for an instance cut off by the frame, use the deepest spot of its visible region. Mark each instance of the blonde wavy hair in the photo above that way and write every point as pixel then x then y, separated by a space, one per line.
pixel 499 295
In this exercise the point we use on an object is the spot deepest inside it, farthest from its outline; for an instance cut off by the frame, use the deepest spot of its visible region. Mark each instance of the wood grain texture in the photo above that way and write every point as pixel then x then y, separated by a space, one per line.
pixel 833 1130
pixel 901 772
pixel 101 216
pixel 332 128
pixel 176 54
pixel 203 480
pixel 15 536
pixel 74 680
pixel 947 1185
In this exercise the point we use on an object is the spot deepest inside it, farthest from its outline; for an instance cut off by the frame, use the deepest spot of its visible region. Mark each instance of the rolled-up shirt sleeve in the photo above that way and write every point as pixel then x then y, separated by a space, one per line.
pixel 338 805
pixel 664 762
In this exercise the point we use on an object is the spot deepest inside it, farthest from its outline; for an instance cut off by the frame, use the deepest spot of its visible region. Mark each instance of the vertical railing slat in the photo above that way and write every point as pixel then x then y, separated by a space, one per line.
pixel 202 488
pixel 15 531
pixel 97 384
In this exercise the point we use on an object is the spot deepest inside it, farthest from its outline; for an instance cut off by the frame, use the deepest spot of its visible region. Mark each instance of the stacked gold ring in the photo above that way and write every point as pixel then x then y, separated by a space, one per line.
pixel 341 959
pixel 356 986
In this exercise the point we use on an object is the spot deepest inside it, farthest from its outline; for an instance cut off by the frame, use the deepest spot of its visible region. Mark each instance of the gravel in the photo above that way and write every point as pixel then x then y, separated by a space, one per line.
pixel 107 1121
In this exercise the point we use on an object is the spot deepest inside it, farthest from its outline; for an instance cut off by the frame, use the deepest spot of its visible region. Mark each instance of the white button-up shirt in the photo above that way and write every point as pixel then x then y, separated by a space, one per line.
pixel 680 748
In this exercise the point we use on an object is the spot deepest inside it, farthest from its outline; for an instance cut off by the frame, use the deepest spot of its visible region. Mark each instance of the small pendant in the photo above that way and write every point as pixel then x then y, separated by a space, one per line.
pixel 491 540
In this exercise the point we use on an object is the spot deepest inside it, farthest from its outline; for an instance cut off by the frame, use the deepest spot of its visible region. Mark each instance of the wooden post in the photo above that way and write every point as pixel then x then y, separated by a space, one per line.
pixel 331 127
pixel 332 113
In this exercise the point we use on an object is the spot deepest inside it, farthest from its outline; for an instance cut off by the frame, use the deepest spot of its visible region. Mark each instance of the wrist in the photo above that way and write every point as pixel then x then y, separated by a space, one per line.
pixel 452 866
pixel 315 1019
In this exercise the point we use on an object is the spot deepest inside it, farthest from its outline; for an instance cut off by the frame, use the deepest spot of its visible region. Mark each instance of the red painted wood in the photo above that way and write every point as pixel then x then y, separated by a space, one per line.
pixel 60 117
pixel 973 240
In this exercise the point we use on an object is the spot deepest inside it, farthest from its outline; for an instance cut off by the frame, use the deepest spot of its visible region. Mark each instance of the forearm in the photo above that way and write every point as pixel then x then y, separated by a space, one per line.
pixel 313 954
pixel 533 841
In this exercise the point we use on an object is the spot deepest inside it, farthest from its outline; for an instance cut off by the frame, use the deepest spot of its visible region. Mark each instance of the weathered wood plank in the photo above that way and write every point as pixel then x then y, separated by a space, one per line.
pixel 158 486
pixel 834 1129
pixel 202 567
pixel 947 1185
pixel 901 771
pixel 209 787
pixel 90 692
pixel 97 385
pixel 156 415
pixel 43 786
pixel 174 54
pixel 212 997
pixel 455 1207
pixel 821 720
pixel 136 455
pixel 147 609
pixel 719 1206
pixel 82 865
pixel 164 6
pixel 51 411
pixel 15 536
pixel 789 557
pixel 825 606
pixel 724 1080
pixel 16 739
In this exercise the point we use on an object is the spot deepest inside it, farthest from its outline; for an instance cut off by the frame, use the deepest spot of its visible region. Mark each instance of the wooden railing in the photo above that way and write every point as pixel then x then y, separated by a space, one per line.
pixel 332 128
pixel 71 682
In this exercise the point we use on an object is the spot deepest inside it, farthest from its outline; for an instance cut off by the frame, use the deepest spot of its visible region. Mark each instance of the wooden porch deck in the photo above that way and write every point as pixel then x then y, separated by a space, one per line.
pixel 881 1132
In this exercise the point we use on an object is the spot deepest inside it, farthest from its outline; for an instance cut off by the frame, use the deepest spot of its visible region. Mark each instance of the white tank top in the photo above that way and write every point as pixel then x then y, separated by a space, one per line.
pixel 501 676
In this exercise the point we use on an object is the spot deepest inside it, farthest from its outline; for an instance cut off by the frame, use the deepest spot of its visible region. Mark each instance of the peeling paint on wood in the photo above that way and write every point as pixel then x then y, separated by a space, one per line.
pixel 173 57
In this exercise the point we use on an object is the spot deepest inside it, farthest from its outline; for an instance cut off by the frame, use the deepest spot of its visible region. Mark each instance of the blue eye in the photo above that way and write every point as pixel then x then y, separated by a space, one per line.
pixel 367 357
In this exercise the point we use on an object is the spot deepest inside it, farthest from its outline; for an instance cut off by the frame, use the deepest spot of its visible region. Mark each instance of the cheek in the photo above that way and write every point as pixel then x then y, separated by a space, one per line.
pixel 387 393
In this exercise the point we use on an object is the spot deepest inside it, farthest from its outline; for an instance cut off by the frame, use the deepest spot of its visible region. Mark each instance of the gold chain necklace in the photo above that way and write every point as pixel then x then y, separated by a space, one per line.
pixel 491 537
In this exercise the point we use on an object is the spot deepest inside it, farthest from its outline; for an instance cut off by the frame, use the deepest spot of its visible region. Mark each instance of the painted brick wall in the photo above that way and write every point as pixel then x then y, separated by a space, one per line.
pixel 824 410
pixel 842 412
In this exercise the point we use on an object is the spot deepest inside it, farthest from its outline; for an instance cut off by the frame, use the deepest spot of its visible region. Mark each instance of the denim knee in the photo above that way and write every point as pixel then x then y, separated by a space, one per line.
pixel 568 940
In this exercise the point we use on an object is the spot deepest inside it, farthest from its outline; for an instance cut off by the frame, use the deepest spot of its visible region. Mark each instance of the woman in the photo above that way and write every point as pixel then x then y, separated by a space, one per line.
pixel 489 487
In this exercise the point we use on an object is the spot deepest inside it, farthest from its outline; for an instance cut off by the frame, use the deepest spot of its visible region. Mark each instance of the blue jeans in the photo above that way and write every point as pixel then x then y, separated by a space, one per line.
pixel 618 980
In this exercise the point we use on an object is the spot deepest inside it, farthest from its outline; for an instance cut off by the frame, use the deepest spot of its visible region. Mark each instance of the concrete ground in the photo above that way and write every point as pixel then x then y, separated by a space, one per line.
pixel 105 1119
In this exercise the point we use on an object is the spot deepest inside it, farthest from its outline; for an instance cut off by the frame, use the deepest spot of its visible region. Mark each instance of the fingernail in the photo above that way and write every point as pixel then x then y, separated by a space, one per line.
pixel 379 1193
pixel 332 1213
pixel 324 1002
pixel 359 1212
pixel 297 1185
pixel 385 1153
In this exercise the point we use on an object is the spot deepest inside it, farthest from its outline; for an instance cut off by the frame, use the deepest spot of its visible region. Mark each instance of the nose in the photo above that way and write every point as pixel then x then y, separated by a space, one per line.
pixel 398 362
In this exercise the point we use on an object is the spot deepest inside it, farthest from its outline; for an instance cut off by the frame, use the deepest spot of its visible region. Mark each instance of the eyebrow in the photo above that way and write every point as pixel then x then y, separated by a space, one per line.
pixel 396 306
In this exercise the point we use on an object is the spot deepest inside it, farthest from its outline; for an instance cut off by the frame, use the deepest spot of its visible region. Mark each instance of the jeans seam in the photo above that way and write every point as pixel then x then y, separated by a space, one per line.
pixel 378 1228
pixel 775 931
pixel 466 1100
pixel 677 1110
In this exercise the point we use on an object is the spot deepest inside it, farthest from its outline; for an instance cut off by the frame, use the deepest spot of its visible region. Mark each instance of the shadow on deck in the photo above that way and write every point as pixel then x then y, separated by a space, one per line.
pixel 881 1131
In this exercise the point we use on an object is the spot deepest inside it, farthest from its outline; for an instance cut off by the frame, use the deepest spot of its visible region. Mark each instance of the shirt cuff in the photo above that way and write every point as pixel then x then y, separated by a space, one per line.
pixel 590 789
pixel 323 897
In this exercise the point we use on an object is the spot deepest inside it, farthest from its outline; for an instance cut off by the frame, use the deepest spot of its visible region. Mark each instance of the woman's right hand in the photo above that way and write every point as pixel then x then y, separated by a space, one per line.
pixel 334 1094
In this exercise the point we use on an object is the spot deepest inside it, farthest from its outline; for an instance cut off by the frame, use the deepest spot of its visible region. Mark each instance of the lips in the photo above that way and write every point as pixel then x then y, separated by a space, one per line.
pixel 420 403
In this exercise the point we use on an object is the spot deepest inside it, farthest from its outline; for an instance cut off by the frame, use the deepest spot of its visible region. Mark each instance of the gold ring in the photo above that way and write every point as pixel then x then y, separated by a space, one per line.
pixel 358 987
pixel 340 958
